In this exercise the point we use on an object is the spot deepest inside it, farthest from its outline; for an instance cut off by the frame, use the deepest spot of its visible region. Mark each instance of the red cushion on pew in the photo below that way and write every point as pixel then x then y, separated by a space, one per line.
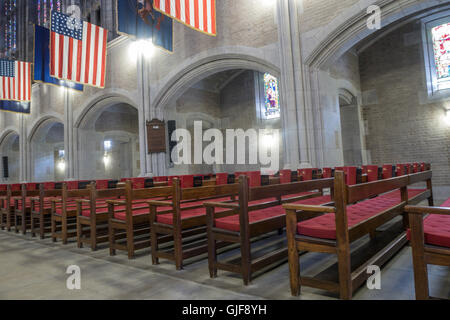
pixel 232 222
pixel 315 201
pixel 436 228
pixel 140 212
pixel 325 227
pixel 396 193
pixel 167 218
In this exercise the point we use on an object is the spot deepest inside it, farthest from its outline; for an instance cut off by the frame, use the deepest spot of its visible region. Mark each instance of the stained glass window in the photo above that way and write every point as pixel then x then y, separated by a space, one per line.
pixel 272 97
pixel 9 27
pixel 441 49
pixel 44 8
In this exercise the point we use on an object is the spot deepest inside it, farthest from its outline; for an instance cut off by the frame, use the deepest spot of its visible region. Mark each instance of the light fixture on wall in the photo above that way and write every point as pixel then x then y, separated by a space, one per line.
pixel 140 48
pixel 62 165
pixel 447 116
pixel 61 161
pixel 106 159
pixel 268 140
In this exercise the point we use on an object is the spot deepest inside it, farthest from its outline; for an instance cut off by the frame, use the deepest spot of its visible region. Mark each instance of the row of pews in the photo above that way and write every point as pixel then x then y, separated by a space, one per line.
pixel 179 217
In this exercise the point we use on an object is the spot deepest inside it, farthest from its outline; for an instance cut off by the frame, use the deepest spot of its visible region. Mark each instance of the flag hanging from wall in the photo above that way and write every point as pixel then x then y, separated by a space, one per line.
pixel 14 106
pixel 42 60
pixel 138 19
pixel 77 50
pixel 15 80
pixel 197 14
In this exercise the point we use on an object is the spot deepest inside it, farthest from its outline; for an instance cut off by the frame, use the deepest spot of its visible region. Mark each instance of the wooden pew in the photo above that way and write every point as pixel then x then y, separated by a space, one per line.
pixel 22 207
pixel 184 216
pixel 64 211
pixel 258 212
pixel 41 208
pixel 131 217
pixel 358 210
pixel 7 205
pixel 92 213
pixel 430 242
pixel 3 192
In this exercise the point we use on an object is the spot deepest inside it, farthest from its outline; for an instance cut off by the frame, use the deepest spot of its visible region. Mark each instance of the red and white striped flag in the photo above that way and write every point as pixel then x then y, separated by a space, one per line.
pixel 15 80
pixel 197 14
pixel 77 50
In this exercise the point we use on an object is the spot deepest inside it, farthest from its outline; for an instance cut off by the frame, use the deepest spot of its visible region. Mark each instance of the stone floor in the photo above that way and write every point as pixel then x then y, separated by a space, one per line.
pixel 36 269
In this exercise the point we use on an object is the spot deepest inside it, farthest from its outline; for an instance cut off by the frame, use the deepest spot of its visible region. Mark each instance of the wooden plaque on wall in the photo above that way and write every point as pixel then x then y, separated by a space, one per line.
pixel 156 136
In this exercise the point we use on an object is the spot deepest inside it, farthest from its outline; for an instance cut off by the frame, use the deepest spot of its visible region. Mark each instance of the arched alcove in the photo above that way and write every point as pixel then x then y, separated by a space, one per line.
pixel 10 157
pixel 234 98
pixel 108 142
pixel 47 156
pixel 350 128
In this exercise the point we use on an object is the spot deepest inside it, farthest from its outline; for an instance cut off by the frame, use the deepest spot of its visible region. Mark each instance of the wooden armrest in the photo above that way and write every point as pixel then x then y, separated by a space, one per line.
pixel 427 210
pixel 309 208
pixel 160 203
pixel 83 200
pixel 56 200
pixel 116 202
pixel 221 205
pixel 34 198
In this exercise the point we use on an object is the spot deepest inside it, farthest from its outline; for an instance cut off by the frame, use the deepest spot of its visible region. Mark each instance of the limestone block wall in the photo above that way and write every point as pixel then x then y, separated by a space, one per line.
pixel 403 124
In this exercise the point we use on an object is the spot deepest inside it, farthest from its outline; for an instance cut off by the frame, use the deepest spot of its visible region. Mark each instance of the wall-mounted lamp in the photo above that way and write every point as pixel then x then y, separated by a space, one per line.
pixel 106 159
pixel 447 116
pixel 62 165
pixel 142 48
pixel 268 140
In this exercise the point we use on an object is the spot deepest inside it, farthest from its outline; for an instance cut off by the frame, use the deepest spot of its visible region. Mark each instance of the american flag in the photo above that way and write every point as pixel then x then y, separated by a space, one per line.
pixel 77 50
pixel 15 80
pixel 197 14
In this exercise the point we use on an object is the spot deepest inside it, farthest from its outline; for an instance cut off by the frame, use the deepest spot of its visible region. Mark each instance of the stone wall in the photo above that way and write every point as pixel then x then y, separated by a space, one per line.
pixel 403 124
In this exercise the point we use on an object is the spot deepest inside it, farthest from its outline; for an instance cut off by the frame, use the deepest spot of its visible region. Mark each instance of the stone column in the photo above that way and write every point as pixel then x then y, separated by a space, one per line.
pixel 292 90
pixel 69 151
pixel 23 155
pixel 151 164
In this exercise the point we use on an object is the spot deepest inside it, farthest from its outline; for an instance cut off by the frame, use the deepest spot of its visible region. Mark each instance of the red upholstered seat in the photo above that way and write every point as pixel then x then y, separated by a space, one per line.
pixel 167 218
pixel 436 228
pixel 139 212
pixel 315 201
pixel 396 193
pixel 232 222
pixel 325 227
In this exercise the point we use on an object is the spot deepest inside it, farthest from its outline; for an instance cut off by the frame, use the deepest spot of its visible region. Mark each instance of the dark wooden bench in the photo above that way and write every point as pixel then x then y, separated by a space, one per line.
pixel 430 242
pixel 358 211
pixel 258 212
pixel 7 215
pixel 64 211
pixel 92 213
pixel 22 207
pixel 129 218
pixel 182 217
pixel 41 208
